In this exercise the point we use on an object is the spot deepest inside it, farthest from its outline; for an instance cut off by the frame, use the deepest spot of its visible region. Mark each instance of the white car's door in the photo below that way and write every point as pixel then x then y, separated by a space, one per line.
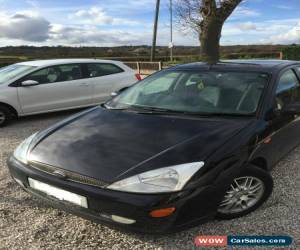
pixel 107 78
pixel 60 87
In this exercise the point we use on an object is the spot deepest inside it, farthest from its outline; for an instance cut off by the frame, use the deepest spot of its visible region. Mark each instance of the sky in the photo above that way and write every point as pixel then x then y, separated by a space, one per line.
pixel 121 22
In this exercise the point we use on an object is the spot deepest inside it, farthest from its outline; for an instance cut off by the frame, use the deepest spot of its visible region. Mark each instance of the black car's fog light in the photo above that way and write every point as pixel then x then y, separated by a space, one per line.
pixel 117 218
pixel 122 220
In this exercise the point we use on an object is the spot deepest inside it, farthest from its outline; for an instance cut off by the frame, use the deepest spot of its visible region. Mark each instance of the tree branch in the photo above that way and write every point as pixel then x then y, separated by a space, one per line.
pixel 227 7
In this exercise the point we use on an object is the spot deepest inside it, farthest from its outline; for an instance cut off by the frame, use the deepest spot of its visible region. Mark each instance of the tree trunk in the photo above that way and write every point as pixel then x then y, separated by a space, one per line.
pixel 211 28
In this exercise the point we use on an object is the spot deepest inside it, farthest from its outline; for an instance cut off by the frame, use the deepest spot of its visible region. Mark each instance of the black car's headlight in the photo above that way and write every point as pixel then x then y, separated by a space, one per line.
pixel 162 180
pixel 21 151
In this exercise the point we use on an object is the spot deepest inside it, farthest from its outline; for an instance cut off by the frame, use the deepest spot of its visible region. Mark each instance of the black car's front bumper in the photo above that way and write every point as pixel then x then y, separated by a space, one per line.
pixel 192 206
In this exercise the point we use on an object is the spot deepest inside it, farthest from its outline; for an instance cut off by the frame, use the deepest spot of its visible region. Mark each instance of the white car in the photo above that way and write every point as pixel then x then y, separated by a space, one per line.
pixel 43 86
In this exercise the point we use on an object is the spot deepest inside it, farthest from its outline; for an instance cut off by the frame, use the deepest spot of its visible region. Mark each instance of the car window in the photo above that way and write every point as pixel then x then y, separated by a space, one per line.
pixel 298 70
pixel 206 92
pixel 59 73
pixel 288 89
pixel 70 72
pixel 204 84
pixel 13 71
pixel 161 84
pixel 102 69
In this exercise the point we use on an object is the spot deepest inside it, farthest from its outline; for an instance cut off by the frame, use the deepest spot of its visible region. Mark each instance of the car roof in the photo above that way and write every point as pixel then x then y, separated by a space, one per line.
pixel 246 65
pixel 51 62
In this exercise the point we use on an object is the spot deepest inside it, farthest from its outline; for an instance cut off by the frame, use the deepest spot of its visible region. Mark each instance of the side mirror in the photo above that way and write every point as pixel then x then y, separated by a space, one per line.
pixel 115 93
pixel 29 83
pixel 291 109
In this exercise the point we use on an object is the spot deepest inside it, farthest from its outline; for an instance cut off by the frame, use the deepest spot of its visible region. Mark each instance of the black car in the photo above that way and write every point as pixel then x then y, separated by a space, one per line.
pixel 183 146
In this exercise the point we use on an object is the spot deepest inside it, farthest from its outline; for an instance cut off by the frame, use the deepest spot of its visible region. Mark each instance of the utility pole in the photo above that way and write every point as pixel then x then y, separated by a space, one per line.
pixel 171 31
pixel 155 31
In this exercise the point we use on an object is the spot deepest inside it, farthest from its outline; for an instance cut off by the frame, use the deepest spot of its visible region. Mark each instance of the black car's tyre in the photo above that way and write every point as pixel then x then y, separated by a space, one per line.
pixel 5 115
pixel 246 193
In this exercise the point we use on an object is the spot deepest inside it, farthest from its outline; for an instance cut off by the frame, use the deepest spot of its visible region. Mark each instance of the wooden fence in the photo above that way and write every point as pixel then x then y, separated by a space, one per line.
pixel 145 68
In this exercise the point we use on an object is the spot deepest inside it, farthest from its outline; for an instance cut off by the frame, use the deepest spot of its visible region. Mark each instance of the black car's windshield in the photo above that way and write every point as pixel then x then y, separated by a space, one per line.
pixel 236 93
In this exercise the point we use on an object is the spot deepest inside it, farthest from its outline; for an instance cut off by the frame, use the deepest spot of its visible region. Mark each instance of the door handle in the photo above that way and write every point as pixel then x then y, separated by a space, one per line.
pixel 84 84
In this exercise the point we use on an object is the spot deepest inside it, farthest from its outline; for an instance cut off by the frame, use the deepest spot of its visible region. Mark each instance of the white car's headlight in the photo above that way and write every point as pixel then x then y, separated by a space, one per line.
pixel 22 150
pixel 162 180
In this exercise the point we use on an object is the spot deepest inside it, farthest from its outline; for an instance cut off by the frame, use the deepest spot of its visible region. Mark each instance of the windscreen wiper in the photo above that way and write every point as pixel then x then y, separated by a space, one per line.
pixel 230 114
pixel 155 109
pixel 190 113
pixel 112 108
pixel 137 109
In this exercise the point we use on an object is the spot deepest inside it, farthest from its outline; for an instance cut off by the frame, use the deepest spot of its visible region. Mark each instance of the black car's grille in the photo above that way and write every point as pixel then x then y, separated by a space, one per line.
pixel 69 175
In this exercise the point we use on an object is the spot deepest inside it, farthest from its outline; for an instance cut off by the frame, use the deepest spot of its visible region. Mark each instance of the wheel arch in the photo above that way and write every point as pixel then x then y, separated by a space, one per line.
pixel 11 108
pixel 260 162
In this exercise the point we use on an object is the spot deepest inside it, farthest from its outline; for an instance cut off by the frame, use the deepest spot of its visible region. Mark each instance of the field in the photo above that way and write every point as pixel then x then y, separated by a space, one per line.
pixel 182 54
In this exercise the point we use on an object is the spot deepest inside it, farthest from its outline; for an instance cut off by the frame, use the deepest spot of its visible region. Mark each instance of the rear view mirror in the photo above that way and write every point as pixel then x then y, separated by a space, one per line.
pixel 28 83
pixel 291 109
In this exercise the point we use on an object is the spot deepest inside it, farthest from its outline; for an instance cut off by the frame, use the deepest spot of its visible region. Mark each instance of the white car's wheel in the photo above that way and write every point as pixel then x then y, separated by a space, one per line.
pixel 5 116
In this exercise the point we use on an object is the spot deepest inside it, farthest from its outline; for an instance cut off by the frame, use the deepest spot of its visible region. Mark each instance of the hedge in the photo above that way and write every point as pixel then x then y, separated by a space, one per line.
pixel 291 52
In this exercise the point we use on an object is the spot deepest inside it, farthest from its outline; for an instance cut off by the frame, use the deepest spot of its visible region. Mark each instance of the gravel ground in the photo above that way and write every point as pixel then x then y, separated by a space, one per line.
pixel 27 223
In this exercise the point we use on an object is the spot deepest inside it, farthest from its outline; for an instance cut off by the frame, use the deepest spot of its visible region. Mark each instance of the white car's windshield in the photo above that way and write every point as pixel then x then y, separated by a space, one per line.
pixel 10 72
pixel 195 92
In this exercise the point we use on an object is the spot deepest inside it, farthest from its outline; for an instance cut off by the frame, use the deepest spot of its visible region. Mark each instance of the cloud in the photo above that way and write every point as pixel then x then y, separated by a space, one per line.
pixel 283 31
pixel 247 26
pixel 25 26
pixel 97 16
pixel 105 26
pixel 94 14
pixel 291 36
pixel 91 35
pixel 283 7
pixel 242 12
pixel 33 3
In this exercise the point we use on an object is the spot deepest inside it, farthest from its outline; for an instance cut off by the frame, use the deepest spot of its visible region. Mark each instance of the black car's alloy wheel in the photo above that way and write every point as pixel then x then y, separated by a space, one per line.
pixel 246 193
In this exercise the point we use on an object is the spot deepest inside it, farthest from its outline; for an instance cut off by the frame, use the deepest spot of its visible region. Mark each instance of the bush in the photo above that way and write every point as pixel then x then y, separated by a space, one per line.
pixel 291 52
